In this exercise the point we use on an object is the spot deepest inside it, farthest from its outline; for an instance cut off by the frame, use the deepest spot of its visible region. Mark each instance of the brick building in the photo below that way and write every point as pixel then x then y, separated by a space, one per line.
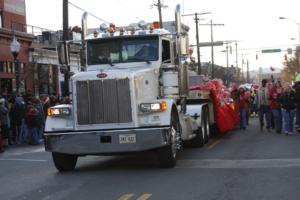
pixel 39 68
pixel 12 18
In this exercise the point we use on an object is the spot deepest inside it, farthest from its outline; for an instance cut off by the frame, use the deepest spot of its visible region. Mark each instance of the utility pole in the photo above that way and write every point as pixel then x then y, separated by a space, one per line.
pixel 227 63
pixel 212 50
pixel 227 57
pixel 237 62
pixel 65 39
pixel 248 75
pixel 243 68
pixel 197 37
pixel 197 40
pixel 159 5
pixel 212 46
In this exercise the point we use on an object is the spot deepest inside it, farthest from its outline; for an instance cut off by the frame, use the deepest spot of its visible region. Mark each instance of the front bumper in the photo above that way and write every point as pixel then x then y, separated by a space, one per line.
pixel 105 142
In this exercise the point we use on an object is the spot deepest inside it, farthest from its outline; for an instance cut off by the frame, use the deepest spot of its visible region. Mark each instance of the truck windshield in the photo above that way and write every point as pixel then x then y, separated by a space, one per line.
pixel 122 50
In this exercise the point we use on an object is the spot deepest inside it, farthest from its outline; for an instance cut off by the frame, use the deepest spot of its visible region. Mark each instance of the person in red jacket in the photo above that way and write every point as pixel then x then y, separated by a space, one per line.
pixel 242 103
pixel 275 93
pixel 33 121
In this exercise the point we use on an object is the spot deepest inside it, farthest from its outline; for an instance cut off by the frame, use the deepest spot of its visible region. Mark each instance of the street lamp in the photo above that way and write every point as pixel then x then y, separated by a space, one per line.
pixel 15 49
pixel 298 24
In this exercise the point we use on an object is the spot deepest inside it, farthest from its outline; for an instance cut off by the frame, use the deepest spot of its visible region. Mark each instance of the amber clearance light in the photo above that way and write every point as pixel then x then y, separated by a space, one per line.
pixel 163 106
pixel 49 112
pixel 156 24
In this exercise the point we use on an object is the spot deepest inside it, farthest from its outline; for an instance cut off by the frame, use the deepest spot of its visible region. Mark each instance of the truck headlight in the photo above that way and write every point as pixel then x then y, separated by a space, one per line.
pixel 57 112
pixel 153 107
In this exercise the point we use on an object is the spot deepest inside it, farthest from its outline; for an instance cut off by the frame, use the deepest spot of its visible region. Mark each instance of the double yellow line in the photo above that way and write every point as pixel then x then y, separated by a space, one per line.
pixel 129 195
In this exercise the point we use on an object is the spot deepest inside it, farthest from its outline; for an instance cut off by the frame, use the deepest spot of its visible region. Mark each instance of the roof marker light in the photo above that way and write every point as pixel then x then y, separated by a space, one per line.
pixel 142 24
pixel 156 25
pixel 122 30
pixel 151 29
pixel 95 34
pixel 103 27
pixel 132 30
pixel 113 26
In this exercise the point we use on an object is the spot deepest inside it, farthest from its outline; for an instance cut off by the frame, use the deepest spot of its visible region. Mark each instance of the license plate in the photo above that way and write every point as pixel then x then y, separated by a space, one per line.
pixel 128 138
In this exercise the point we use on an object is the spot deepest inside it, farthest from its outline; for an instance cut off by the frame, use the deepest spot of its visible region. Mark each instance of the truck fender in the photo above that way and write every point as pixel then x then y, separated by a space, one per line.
pixel 191 120
pixel 159 118
pixel 195 111
pixel 171 106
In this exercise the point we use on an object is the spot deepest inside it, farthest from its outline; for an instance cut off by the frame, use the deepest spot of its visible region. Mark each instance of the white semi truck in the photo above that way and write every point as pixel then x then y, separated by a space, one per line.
pixel 133 96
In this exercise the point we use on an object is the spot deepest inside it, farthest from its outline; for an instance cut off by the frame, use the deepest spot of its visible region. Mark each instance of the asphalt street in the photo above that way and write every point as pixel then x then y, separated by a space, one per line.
pixel 242 165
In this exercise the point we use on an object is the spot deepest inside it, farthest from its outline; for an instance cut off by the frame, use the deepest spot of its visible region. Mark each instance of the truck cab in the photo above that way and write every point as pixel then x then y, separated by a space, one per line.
pixel 131 98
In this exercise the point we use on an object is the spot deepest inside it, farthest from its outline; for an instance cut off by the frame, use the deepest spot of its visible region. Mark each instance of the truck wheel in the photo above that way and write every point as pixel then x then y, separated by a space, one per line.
pixel 167 155
pixel 207 126
pixel 64 162
pixel 199 140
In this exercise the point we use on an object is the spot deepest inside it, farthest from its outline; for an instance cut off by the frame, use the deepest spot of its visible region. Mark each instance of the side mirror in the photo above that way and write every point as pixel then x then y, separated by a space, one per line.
pixel 63 53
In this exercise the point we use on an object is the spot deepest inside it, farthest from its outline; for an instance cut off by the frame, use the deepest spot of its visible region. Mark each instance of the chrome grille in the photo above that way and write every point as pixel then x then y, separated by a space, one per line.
pixel 103 101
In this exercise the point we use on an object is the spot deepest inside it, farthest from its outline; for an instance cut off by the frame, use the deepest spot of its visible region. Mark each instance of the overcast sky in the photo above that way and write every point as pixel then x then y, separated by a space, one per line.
pixel 254 23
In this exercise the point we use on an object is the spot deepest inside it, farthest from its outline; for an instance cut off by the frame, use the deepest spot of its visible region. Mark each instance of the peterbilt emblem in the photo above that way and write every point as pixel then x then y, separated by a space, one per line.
pixel 102 75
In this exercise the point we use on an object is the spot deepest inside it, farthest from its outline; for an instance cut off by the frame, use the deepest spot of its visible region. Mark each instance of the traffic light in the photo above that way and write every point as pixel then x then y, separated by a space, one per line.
pixel 256 56
pixel 285 57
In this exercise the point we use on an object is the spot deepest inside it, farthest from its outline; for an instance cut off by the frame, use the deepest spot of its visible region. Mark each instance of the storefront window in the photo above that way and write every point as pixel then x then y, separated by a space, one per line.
pixel 45 79
pixel 7 67
pixel 1 66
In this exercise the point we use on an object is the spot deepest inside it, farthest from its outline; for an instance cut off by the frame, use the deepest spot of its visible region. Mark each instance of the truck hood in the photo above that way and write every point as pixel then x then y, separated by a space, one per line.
pixel 114 72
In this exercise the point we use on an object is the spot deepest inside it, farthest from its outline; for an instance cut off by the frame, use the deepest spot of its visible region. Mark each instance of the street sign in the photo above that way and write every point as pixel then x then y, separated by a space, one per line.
pixel 270 50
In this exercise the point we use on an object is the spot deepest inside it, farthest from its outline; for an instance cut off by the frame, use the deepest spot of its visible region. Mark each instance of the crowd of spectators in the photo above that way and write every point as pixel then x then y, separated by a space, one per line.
pixel 277 105
pixel 23 117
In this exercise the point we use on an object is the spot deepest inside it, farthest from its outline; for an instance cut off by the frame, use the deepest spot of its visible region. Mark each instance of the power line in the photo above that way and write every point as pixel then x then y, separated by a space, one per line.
pixel 72 4
pixel 212 46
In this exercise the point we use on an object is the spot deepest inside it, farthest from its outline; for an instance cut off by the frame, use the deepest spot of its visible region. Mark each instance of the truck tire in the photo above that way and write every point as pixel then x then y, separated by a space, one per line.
pixel 167 155
pixel 207 125
pixel 199 140
pixel 64 162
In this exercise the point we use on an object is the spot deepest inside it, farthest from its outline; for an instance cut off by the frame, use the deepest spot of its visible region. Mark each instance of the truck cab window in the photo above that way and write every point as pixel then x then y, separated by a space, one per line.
pixel 122 50
pixel 166 54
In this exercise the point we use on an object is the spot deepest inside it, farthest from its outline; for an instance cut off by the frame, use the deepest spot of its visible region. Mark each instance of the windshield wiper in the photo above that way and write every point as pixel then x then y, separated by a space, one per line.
pixel 109 62
pixel 140 59
pixel 106 60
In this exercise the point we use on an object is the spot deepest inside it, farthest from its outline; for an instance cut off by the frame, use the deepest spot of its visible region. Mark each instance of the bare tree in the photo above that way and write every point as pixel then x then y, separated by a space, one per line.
pixel 292 67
